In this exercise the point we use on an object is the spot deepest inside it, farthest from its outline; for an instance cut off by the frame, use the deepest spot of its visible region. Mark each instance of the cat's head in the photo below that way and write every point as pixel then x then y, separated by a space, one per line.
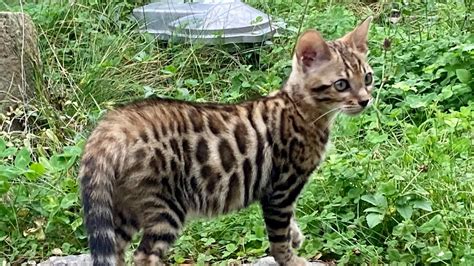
pixel 333 76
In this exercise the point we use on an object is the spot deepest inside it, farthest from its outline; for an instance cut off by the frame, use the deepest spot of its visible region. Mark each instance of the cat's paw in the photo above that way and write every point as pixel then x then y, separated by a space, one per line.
pixel 140 259
pixel 297 237
pixel 297 261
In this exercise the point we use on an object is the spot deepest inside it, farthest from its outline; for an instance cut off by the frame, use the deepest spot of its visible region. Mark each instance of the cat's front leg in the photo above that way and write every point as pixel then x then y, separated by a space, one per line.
pixel 278 221
pixel 297 237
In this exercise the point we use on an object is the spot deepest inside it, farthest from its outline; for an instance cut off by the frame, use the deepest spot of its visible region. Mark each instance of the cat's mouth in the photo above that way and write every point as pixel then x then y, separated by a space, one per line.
pixel 352 110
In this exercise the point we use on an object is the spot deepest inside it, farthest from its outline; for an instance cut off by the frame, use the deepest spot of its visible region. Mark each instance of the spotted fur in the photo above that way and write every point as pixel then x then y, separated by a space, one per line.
pixel 152 164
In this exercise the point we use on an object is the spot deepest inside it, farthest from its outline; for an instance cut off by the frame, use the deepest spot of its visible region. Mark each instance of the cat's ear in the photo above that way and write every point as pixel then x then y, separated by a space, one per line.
pixel 311 49
pixel 357 38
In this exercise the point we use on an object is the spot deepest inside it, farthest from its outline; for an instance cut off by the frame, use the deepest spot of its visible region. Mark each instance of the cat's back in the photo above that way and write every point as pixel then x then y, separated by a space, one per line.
pixel 173 117
pixel 211 136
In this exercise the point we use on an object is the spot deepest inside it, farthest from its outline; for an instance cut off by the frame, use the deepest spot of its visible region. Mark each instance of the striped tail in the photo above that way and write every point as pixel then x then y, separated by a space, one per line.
pixel 97 188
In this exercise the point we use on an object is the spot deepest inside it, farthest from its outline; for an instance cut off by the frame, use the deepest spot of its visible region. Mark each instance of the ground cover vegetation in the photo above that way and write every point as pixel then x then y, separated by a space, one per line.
pixel 397 185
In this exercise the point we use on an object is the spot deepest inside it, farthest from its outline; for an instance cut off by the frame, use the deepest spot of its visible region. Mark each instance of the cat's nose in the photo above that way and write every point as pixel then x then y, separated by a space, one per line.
pixel 363 103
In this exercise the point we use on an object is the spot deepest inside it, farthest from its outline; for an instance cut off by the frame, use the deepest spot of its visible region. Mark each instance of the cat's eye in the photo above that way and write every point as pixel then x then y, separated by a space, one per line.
pixel 368 79
pixel 341 85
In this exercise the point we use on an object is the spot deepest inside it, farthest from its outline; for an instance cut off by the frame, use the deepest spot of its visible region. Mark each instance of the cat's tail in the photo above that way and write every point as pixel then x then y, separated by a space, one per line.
pixel 97 185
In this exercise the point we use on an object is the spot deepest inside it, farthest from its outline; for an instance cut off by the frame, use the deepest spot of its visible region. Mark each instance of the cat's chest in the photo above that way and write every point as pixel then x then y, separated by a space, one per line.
pixel 304 153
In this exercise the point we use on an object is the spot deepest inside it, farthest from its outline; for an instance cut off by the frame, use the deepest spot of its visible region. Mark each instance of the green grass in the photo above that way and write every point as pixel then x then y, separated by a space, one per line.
pixel 397 183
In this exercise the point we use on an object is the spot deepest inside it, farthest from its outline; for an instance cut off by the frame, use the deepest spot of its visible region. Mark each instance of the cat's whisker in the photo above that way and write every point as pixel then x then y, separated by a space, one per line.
pixel 326 113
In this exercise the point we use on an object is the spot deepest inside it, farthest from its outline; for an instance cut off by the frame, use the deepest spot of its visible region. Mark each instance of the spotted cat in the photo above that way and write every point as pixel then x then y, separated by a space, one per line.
pixel 152 164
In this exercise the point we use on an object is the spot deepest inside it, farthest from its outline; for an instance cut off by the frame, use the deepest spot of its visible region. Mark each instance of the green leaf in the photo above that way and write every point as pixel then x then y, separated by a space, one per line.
pixel 374 209
pixel 203 258
pixel 381 200
pixel 439 254
pixel 393 254
pixel 446 93
pixel 435 224
pixel 415 101
pixel 76 223
pixel 231 247
pixel 388 188
pixel 259 231
pixel 4 184
pixel 370 199
pixel 72 151
pixel 375 137
pixel 178 258
pixel 37 168
pixel 405 229
pixel 354 193
pixel 313 245
pixel 10 171
pixel 422 204
pixel 22 159
pixel 170 69
pixel 463 75
pixel 208 241
pixel 404 86
pixel 374 219
pixel 191 83
pixel 7 152
pixel 405 211
pixel 68 200
pixel 246 84
pixel 60 162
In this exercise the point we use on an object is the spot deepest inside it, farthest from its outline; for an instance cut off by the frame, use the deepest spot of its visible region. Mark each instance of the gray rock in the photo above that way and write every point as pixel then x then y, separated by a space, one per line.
pixel 79 260
pixel 19 59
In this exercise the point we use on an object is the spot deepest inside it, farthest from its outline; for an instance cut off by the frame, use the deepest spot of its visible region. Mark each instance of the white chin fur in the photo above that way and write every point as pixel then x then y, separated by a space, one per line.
pixel 352 110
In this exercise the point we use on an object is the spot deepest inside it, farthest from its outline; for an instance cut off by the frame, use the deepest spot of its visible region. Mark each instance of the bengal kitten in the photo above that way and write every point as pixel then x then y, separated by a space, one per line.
pixel 151 164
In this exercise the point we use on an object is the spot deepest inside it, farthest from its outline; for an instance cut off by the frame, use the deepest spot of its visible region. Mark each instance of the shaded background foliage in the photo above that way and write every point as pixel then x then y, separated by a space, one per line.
pixel 397 184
